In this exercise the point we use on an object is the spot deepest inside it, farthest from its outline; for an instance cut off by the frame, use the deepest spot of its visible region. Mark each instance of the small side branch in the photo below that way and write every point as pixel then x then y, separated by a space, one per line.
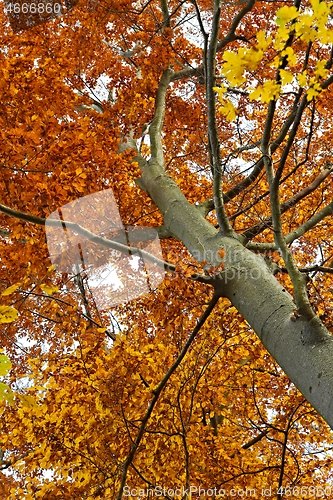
pixel 309 224
pixel 297 278
pixel 157 123
pixel 258 168
pixel 214 143
pixel 230 37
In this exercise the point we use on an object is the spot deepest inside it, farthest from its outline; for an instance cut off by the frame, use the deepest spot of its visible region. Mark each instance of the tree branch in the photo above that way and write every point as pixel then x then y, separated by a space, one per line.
pixel 234 191
pixel 165 12
pixel 77 228
pixel 213 138
pixel 157 123
pixel 309 224
pixel 261 226
pixel 230 37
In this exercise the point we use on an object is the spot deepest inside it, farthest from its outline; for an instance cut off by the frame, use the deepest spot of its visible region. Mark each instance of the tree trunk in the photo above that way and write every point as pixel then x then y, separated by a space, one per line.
pixel 303 349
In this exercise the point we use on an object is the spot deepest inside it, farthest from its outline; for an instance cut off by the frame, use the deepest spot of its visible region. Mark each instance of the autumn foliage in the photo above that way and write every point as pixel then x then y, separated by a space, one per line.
pixel 172 390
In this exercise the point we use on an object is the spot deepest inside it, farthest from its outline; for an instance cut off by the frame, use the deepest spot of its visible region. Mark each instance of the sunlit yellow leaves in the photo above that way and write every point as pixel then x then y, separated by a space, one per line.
pixel 270 90
pixel 321 70
pixel 220 92
pixel 286 76
pixel 304 28
pixel 307 25
pixel 50 290
pixel 233 68
pixel 302 79
pixel 290 55
pixel 314 90
pixel 286 14
pixel 281 37
pixel 8 314
pixel 236 63
pixel 263 41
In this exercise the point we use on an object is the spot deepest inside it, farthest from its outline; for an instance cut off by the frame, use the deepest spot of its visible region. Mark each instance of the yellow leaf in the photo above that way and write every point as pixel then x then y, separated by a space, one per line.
pixel 50 290
pixel 5 364
pixel 228 110
pixel 266 92
pixel 305 29
pixel 6 394
pixel 263 41
pixel 290 54
pixel 302 79
pixel 10 289
pixel 27 401
pixel 285 15
pixel 311 94
pixel 233 68
pixel 51 268
pixel 321 70
pixel 8 314
pixel 281 38
pixel 220 91
pixel 286 76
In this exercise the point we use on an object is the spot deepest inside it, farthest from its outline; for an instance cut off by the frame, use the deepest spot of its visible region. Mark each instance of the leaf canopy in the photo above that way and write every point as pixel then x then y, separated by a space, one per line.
pixel 172 390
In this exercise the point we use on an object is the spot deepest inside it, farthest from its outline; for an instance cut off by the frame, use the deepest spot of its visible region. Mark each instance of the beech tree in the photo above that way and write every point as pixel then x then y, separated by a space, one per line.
pixel 209 370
